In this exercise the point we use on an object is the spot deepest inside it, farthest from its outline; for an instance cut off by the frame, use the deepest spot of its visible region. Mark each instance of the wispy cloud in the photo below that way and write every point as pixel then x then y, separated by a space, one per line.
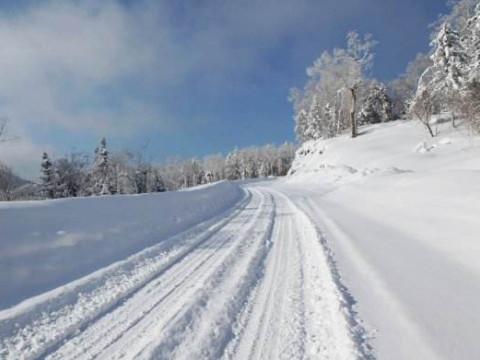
pixel 124 67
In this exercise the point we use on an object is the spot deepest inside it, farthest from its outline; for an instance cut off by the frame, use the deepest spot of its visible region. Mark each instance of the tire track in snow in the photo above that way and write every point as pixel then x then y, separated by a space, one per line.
pixel 333 328
pixel 259 284
pixel 271 325
pixel 204 327
pixel 124 328
pixel 46 322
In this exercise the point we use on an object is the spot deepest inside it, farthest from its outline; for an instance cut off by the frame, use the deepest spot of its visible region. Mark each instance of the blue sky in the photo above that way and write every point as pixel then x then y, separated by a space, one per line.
pixel 184 78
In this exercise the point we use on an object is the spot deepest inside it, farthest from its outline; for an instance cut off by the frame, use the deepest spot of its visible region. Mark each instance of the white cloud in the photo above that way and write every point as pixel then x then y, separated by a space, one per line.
pixel 92 66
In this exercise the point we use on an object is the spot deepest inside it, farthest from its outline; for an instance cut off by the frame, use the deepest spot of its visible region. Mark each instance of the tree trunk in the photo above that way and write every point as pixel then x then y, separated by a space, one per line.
pixel 353 122
pixel 453 120
pixel 429 128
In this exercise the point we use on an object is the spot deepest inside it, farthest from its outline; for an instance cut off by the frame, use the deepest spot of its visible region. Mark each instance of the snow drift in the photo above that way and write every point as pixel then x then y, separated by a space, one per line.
pixel 44 244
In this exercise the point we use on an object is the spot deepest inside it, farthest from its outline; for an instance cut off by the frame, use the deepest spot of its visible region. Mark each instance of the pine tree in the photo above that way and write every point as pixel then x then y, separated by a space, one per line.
pixel 315 120
pixel 48 177
pixel 450 61
pixel 329 120
pixel 158 184
pixel 141 175
pixel 471 42
pixel 101 171
pixel 377 107
pixel 301 126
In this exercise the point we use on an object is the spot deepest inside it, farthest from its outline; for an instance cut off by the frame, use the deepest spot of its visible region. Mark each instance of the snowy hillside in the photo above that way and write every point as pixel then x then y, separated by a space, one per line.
pixel 400 211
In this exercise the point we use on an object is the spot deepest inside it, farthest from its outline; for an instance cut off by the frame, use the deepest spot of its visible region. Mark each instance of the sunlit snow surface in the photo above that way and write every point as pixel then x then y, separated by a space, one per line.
pixel 368 250
pixel 401 211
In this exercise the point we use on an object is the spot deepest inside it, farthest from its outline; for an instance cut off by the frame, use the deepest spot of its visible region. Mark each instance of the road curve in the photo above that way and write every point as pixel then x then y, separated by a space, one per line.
pixel 257 283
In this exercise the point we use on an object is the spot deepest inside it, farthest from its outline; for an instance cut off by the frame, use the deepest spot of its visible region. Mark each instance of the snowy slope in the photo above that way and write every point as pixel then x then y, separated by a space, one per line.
pixel 44 244
pixel 401 214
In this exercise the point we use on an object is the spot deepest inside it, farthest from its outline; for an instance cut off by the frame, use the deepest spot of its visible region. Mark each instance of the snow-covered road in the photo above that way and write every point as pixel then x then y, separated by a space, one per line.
pixel 256 282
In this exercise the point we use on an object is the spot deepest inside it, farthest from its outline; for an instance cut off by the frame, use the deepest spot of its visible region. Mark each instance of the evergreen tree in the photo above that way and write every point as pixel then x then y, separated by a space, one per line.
pixel 329 120
pixel 377 107
pixel 48 177
pixel 101 170
pixel 471 41
pixel 158 184
pixel 315 123
pixel 301 126
pixel 450 61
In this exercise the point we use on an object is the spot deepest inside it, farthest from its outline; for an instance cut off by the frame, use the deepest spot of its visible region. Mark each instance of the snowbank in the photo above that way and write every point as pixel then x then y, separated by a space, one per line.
pixel 401 213
pixel 44 244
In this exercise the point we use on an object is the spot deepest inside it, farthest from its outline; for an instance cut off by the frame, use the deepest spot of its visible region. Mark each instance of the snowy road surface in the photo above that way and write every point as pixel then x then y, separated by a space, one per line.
pixel 255 283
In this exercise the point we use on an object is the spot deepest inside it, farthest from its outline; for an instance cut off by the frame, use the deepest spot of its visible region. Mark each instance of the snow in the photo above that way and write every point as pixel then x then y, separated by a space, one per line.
pixel 369 249
pixel 402 221
pixel 44 244
pixel 218 290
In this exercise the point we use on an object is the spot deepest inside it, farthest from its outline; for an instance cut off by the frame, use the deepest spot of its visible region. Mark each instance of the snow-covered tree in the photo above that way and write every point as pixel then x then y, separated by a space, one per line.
pixel 8 183
pixel 329 120
pixel 441 84
pixel 359 59
pixel 301 126
pixel 422 107
pixel 315 120
pixel 141 176
pixel 233 169
pixel 377 107
pixel 469 105
pixel 334 78
pixel 450 61
pixel 402 89
pixel 471 41
pixel 101 170
pixel 48 177
pixel 215 166
pixel 70 175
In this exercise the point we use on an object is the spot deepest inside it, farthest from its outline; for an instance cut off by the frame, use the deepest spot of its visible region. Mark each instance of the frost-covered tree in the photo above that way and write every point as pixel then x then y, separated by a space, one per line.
pixel 329 120
pixel 8 183
pixel 460 14
pixel 402 89
pixel 469 105
pixel 214 166
pixel 158 183
pixel 101 170
pixel 233 168
pixel 48 177
pixel 70 175
pixel 450 61
pixel 141 176
pixel 334 78
pixel 422 107
pixel 471 41
pixel 301 126
pixel 443 81
pixel 315 120
pixel 359 60
pixel 377 107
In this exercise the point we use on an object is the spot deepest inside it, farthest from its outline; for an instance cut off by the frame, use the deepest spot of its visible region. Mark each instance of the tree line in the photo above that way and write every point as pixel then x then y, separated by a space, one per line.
pixel 341 95
pixel 123 172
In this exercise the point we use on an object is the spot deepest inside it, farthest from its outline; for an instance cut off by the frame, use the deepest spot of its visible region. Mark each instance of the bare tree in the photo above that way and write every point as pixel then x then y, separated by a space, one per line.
pixel 8 183
pixel 469 105
pixel 423 107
